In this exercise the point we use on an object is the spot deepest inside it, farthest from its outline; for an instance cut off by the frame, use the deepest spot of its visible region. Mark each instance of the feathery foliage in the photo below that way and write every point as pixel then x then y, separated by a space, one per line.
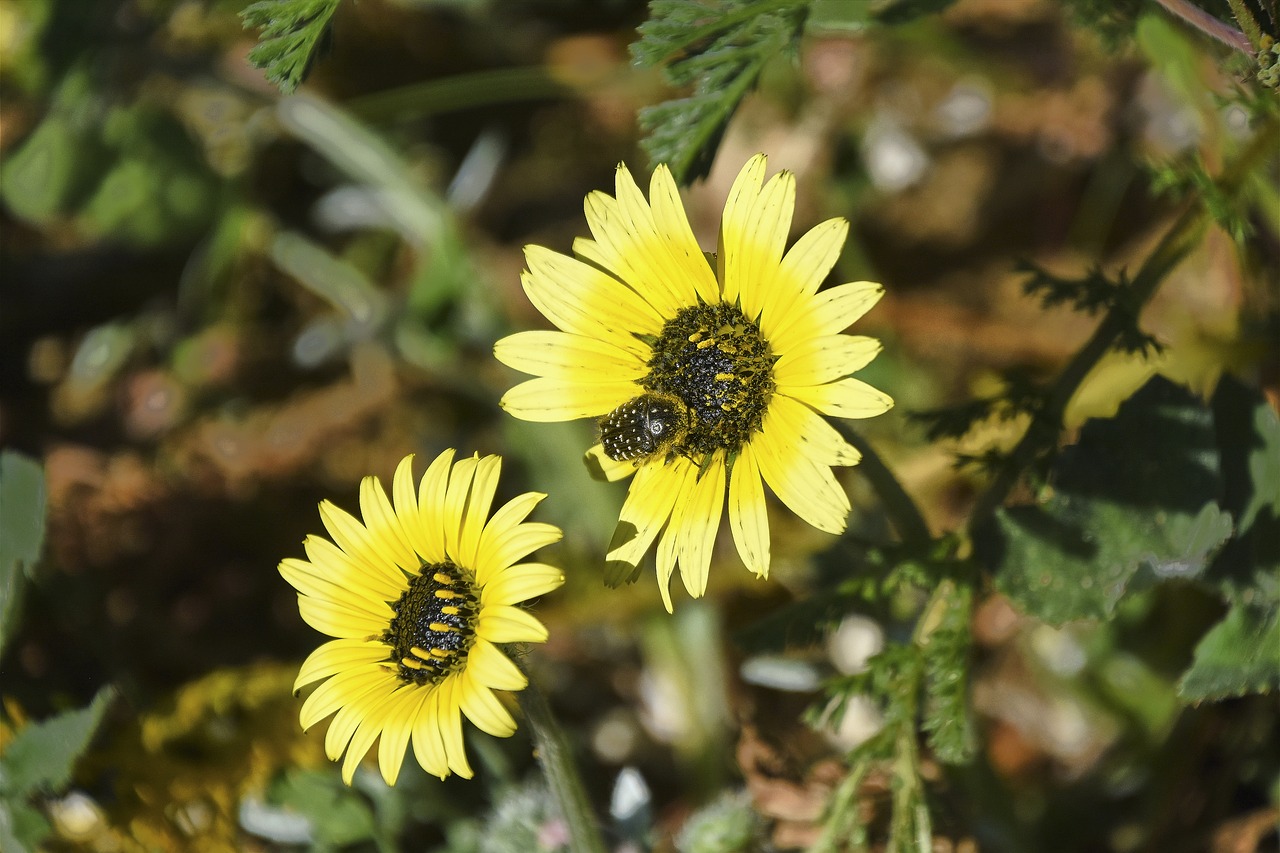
pixel 718 48
pixel 294 34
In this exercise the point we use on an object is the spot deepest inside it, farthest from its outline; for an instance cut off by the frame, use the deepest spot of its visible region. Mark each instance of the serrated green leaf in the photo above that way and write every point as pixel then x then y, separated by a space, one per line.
pixel 1261 441
pixel 22 516
pixel 1248 568
pixel 1134 503
pixel 719 47
pixel 294 33
pixel 42 755
pixel 946 716
pixel 1239 655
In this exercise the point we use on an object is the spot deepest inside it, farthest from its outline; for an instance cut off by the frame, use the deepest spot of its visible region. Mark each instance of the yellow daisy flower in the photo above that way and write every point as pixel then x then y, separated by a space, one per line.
pixel 419 596
pixel 707 382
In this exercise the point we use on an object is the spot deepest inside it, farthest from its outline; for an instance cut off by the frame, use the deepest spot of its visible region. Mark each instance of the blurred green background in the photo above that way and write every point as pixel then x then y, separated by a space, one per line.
pixel 219 305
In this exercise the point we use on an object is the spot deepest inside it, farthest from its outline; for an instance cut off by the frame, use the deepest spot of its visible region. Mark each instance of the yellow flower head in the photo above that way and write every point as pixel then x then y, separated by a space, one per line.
pixel 419 596
pixel 707 382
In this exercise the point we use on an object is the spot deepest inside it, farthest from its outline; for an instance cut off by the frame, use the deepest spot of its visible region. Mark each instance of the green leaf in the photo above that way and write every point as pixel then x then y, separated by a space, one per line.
pixel 22 828
pixel 1134 503
pixel 22 511
pixel 1239 655
pixel 719 47
pixel 946 657
pixel 1248 431
pixel 42 755
pixel 294 33
pixel 338 815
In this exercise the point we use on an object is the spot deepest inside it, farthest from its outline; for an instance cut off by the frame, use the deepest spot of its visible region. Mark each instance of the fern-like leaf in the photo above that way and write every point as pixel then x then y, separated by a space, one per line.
pixel 719 48
pixel 294 34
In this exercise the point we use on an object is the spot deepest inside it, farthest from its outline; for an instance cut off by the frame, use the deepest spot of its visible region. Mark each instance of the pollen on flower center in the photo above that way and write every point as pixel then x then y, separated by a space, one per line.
pixel 718 363
pixel 434 626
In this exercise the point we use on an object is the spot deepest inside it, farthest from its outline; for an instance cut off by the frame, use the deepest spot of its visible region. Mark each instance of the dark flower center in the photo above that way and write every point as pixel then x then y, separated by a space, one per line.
pixel 435 624
pixel 716 362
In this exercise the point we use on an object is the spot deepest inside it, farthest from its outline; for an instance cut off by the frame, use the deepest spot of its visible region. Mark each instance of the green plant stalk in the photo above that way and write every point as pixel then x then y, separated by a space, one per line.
pixel 459 92
pixel 1046 425
pixel 561 773
pixel 902 510
pixel 1248 22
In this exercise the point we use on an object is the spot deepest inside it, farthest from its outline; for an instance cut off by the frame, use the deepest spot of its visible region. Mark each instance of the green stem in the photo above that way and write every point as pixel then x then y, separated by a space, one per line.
pixel 1046 425
pixel 561 772
pixel 902 510
pixel 1248 22
pixel 458 92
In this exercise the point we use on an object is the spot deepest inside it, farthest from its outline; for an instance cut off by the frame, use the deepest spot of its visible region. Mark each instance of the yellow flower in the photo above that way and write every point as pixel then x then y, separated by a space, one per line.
pixel 419 596
pixel 707 382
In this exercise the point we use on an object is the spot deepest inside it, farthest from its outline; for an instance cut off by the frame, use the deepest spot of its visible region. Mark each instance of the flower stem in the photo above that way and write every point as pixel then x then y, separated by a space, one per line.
pixel 902 510
pixel 1209 25
pixel 558 766
pixel 1046 425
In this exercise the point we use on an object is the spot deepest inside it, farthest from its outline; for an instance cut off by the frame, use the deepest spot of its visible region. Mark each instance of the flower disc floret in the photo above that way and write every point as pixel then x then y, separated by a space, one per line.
pixel 717 363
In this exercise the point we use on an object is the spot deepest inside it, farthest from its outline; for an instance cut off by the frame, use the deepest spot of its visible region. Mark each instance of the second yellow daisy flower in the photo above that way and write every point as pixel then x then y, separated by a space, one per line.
pixel 707 382
pixel 419 597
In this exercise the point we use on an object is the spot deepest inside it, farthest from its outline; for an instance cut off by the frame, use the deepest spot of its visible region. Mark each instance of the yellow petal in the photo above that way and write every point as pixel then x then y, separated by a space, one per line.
pixel 648 506
pixel 479 502
pixel 483 708
pixel 505 547
pixel 501 623
pixel 582 300
pixel 353 594
pixel 563 356
pixel 386 582
pixel 733 226
pixel 699 526
pixel 396 730
pixel 339 620
pixel 673 227
pixel 384 527
pixel 748 516
pixel 813 256
pixel 342 690
pixel 809 490
pixel 810 432
pixel 348 719
pixel 631 251
pixel 455 502
pixel 520 583
pixel 668 550
pixel 762 244
pixel 547 400
pixel 352 537
pixel 830 311
pixel 404 493
pixel 847 398
pixel 338 656
pixel 824 359
pixel 432 490
pixel 601 467
pixel 428 742
pixel 451 728
pixel 494 669
pixel 370 727
pixel 496 539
